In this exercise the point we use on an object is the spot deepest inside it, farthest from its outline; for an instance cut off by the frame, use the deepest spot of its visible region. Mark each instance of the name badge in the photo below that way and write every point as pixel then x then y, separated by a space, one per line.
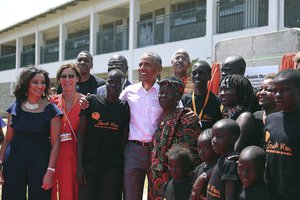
pixel 65 137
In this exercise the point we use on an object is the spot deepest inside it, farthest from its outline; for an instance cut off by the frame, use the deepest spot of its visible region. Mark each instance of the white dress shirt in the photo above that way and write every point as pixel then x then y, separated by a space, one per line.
pixel 145 111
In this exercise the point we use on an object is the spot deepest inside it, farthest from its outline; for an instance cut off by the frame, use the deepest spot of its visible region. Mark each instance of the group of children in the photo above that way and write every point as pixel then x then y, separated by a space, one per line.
pixel 256 173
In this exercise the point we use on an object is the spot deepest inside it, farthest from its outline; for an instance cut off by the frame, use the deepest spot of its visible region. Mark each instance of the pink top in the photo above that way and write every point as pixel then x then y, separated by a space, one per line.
pixel 145 111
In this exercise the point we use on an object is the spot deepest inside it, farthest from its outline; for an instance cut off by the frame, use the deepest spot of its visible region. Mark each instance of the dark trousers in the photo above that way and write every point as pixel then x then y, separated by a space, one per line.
pixel 106 184
pixel 137 165
pixel 25 166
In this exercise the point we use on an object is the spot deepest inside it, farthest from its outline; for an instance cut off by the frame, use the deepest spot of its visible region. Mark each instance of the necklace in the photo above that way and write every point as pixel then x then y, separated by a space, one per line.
pixel 31 106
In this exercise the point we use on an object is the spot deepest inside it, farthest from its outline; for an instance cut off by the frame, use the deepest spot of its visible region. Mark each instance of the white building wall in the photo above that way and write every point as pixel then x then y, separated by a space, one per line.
pixel 202 47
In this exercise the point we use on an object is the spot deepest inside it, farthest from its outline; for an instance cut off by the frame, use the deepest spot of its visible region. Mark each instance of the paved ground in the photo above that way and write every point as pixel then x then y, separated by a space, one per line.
pixel 145 190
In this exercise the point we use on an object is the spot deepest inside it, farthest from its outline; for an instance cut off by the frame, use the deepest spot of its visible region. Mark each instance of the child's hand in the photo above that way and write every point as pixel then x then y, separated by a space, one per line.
pixel 198 187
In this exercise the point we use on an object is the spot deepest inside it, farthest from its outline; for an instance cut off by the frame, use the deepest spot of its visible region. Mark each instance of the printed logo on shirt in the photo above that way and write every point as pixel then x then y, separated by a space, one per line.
pixel 277 148
pixel 101 124
pixel 213 191
pixel 96 115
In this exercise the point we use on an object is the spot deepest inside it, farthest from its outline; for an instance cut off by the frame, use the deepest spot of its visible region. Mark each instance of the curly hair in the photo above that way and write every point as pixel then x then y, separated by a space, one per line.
pixel 243 89
pixel 23 81
pixel 178 152
pixel 270 76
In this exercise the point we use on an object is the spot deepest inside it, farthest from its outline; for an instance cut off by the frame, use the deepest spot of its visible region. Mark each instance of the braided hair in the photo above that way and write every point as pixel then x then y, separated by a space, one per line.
pixel 243 89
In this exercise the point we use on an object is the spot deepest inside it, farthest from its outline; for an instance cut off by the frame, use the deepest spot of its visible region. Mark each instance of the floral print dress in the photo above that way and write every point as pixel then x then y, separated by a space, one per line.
pixel 170 131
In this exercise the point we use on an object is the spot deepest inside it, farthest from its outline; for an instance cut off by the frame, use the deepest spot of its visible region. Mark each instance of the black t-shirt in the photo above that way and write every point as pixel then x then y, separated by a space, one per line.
pixel 257 191
pixel 225 170
pixel 260 126
pixel 179 190
pixel 203 167
pixel 104 134
pixel 282 137
pixel 89 86
pixel 211 112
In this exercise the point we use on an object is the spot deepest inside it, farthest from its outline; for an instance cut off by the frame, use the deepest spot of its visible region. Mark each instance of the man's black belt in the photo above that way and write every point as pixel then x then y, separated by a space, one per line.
pixel 144 144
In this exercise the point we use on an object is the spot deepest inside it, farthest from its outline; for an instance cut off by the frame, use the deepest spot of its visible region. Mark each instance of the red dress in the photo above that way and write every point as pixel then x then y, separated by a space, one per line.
pixel 64 180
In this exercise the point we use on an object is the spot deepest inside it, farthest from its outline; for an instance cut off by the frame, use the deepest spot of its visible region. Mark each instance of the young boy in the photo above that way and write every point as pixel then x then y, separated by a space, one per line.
pixel 251 167
pixel 224 181
pixel 203 102
pixel 204 170
pixel 282 137
pixel 180 160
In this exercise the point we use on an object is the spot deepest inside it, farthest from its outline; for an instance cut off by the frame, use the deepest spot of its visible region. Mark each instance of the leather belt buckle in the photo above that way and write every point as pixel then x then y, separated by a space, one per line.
pixel 143 144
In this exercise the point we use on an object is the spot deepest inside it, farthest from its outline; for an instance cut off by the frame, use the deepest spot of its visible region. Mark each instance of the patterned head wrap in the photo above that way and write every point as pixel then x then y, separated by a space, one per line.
pixel 173 81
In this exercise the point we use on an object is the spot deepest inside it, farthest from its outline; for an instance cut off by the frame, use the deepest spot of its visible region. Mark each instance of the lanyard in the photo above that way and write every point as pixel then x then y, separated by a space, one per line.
pixel 63 107
pixel 64 103
pixel 194 104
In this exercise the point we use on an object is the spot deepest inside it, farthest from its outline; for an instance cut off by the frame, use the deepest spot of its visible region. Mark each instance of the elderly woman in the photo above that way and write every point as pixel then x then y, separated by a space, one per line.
pixel 67 76
pixel 237 97
pixel 170 131
pixel 31 121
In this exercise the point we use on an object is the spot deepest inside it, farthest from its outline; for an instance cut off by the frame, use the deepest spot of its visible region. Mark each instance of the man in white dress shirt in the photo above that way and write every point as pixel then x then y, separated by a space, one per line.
pixel 145 112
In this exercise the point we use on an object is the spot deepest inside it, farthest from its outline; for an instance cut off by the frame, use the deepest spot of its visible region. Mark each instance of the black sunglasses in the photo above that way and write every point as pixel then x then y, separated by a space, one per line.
pixel 64 76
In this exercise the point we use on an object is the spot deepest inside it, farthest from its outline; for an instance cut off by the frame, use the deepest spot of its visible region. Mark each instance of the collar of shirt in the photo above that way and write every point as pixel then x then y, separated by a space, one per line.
pixel 145 111
pixel 154 88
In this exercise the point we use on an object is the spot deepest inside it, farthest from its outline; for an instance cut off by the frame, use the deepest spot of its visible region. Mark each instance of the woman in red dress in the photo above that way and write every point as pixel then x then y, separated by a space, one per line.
pixel 65 183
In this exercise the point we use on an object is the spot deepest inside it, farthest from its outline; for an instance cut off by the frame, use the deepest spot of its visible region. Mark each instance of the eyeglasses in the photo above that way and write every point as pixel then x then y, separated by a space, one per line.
pixel 183 58
pixel 64 76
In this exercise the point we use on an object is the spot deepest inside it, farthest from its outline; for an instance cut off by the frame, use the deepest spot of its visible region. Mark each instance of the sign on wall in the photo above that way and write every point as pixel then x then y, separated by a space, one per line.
pixel 257 74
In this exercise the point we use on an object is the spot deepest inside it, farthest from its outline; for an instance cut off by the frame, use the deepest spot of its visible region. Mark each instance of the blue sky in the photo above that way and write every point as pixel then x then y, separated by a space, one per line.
pixel 14 11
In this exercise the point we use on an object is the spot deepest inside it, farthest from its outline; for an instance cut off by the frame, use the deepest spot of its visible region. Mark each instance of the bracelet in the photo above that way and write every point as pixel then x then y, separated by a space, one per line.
pixel 51 169
pixel 204 175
